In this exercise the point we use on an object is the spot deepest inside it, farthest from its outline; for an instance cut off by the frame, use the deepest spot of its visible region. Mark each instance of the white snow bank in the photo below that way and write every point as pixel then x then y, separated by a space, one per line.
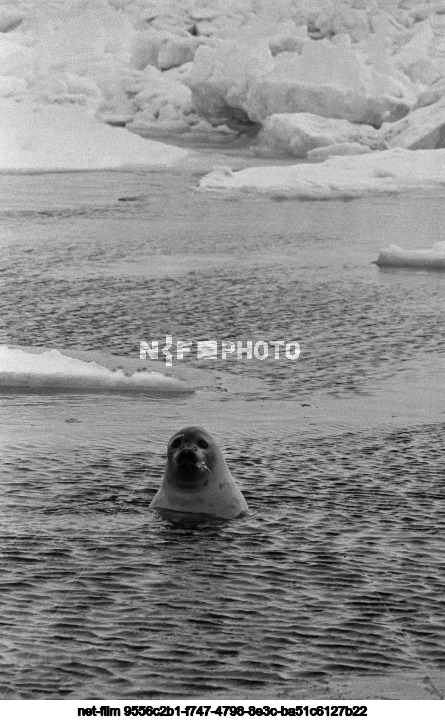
pixel 338 177
pixel 51 370
pixel 432 258
pixel 298 133
pixel 53 138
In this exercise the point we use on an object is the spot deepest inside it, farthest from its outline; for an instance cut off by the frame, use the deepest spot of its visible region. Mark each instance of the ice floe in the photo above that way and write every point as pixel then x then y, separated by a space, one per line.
pixel 388 171
pixel 52 371
pixel 428 258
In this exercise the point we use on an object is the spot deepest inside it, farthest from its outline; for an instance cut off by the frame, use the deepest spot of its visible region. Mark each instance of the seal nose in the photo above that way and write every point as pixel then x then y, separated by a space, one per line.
pixel 187 455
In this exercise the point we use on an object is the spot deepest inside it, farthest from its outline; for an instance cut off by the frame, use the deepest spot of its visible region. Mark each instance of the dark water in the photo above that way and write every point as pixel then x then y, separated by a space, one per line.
pixel 84 269
pixel 339 567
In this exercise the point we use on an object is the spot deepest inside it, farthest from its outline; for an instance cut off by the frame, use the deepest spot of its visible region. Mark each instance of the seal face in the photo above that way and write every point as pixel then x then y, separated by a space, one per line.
pixel 197 479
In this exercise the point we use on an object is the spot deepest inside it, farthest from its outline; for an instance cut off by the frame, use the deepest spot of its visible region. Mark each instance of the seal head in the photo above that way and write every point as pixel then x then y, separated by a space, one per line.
pixel 197 479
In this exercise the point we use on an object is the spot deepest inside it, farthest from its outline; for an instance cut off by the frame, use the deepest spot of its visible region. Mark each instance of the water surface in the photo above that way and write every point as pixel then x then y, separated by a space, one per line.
pixel 338 568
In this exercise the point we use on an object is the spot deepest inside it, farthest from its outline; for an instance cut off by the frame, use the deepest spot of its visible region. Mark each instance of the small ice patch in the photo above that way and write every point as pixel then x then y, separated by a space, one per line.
pixel 396 257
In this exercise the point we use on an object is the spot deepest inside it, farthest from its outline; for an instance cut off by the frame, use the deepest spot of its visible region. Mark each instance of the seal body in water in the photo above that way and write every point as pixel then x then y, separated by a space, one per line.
pixel 197 480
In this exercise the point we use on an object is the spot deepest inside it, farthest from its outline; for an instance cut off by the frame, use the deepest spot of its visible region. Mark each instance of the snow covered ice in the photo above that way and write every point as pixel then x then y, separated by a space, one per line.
pixel 315 79
pixel 299 133
pixel 52 137
pixel 388 171
pixel 40 371
pixel 428 258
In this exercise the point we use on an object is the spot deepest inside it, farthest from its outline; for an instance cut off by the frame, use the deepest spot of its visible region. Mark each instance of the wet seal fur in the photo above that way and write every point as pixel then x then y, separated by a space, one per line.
pixel 197 481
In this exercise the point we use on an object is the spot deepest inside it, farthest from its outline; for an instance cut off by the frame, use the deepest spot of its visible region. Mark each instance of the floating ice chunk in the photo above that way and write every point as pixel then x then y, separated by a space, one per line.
pixel 53 371
pixel 298 133
pixel 433 258
pixel 389 171
pixel 51 138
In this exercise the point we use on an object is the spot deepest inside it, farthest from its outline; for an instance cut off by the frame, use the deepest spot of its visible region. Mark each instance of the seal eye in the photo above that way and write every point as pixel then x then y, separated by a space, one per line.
pixel 176 443
pixel 202 443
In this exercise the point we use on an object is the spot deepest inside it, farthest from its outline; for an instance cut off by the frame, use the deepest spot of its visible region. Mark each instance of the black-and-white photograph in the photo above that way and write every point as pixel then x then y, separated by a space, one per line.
pixel 222 374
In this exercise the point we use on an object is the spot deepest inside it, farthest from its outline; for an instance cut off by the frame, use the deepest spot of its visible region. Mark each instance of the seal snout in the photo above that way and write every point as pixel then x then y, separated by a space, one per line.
pixel 187 456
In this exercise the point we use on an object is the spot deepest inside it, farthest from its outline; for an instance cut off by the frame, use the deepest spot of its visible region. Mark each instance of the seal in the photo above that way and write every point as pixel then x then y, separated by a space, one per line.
pixel 197 480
